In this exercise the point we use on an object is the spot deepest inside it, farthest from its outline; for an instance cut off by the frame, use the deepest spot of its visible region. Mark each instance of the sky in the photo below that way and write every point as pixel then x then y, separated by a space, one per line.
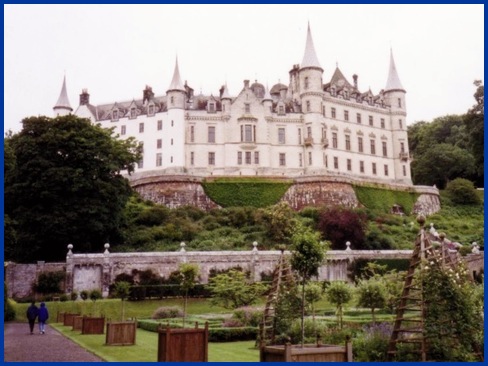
pixel 114 51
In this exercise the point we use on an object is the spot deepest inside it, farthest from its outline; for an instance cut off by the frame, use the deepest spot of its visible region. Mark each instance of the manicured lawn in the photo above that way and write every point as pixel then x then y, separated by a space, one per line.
pixel 146 348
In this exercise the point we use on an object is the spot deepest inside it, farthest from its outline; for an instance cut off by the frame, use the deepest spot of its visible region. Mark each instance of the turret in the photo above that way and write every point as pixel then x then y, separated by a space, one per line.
pixel 394 91
pixel 62 107
pixel 225 99
pixel 176 91
pixel 267 102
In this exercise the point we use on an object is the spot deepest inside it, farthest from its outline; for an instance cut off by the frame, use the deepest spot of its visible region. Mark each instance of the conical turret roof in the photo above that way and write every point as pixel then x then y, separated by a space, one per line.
pixel 63 101
pixel 176 83
pixel 310 56
pixel 225 93
pixel 393 82
pixel 267 95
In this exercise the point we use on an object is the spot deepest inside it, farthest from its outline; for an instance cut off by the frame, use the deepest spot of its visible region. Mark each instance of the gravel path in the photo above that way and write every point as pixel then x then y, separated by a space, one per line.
pixel 20 345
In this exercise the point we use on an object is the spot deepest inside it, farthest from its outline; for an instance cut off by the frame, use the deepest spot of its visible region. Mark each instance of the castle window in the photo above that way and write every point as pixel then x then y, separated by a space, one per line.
pixel 336 162
pixel 133 113
pixel 171 142
pixel 309 158
pixel 308 106
pixel 334 140
pixel 382 123
pixel 402 147
pixel 172 100
pixel 281 109
pixel 373 147
pixel 211 134
pixel 115 115
pixel 211 107
pixel 171 159
pixel 247 133
pixel 346 94
pixel 282 159
pixel 404 170
pixel 385 150
pixel 370 120
pixel 172 123
pixel 123 130
pixel 333 112
pixel 256 157
pixel 159 143
pixel 211 158
pixel 348 142
pixel 299 136
pixel 159 159
pixel 358 117
pixel 333 92
pixel 386 170
pixel 248 157
pixel 399 102
pixel 323 110
pixel 346 115
pixel 373 167
pixel 361 166
pixel 326 161
pixel 150 110
pixel 309 131
pixel 360 144
pixel 300 160
pixel 247 108
pixel 281 135
pixel 370 100
pixel 160 125
pixel 192 133
pixel 239 157
pixel 400 124
pixel 192 158
pixel 349 165
pixel 141 127
pixel 306 83
pixel 223 107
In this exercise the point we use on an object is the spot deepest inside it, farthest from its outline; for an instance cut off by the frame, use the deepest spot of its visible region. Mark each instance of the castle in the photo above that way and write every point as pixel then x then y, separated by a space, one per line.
pixel 308 128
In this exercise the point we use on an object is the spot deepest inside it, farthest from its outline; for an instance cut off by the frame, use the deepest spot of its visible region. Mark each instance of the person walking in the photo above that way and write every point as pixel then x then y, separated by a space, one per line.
pixel 43 317
pixel 32 313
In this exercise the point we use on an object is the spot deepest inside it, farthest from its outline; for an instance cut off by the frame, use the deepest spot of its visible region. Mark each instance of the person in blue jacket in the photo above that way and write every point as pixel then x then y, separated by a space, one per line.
pixel 43 316
pixel 32 312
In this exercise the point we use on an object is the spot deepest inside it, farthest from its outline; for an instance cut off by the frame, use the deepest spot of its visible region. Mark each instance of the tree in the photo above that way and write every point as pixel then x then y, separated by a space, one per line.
pixel 279 220
pixel 339 225
pixel 122 290
pixel 442 163
pixel 95 295
pixel 339 293
pixel 462 191
pixel 475 122
pixel 371 294
pixel 313 293
pixel 66 186
pixel 233 290
pixel 188 277
pixel 308 254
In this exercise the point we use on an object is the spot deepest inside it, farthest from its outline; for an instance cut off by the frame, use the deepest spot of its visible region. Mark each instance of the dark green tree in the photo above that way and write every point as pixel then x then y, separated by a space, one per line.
pixel 66 186
pixel 475 119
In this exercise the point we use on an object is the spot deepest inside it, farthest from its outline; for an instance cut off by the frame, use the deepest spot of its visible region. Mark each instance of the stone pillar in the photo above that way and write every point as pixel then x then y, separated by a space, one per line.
pixel 106 271
pixel 69 270
pixel 254 265
pixel 183 252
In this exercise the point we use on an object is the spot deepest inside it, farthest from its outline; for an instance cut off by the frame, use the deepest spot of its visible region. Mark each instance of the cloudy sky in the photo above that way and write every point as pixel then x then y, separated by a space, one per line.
pixel 115 50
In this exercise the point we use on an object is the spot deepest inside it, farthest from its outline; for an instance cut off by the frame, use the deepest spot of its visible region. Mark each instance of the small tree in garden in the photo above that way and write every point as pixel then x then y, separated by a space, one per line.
pixel 339 293
pixel 94 296
pixel 122 290
pixel 372 295
pixel 307 256
pixel 188 278
pixel 313 293
pixel 232 290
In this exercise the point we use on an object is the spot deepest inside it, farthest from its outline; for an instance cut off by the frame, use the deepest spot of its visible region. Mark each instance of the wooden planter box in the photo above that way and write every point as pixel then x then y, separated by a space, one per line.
pixel 121 333
pixel 309 353
pixel 68 319
pixel 183 345
pixel 77 322
pixel 92 325
pixel 60 317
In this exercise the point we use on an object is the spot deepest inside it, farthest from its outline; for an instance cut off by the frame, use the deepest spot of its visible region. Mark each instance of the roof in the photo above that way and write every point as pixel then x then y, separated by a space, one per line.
pixel 310 56
pixel 176 83
pixel 339 79
pixel 393 82
pixel 63 101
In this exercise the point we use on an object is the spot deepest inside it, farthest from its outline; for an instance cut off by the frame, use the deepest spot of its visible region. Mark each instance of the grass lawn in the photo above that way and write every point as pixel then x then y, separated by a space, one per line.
pixel 146 348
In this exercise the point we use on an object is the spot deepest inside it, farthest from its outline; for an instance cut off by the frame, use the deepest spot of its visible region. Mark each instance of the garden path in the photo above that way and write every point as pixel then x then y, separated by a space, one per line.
pixel 20 345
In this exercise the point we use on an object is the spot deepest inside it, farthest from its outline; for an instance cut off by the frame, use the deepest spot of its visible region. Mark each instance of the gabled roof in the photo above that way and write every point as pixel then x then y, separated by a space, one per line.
pixel 176 83
pixel 63 101
pixel 339 79
pixel 393 82
pixel 310 56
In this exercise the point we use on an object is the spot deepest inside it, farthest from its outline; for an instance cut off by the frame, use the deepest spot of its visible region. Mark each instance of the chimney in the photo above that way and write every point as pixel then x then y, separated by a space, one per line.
pixel 355 78
pixel 147 94
pixel 84 97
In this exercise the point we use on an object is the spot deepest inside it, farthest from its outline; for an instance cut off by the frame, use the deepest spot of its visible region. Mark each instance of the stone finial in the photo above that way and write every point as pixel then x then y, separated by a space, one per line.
pixel 348 246
pixel 182 245
pixel 106 246
pixel 255 245
pixel 442 236
pixel 421 220
pixel 70 246
pixel 475 249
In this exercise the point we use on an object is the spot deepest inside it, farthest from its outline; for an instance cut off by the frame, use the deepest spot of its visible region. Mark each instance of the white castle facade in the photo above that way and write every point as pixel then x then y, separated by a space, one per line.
pixel 309 127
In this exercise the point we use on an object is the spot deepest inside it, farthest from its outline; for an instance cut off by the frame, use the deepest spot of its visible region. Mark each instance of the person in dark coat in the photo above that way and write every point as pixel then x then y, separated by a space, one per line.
pixel 43 317
pixel 32 313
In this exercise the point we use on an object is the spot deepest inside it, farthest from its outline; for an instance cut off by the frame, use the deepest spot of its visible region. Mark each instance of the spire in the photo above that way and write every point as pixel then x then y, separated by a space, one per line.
pixel 393 82
pixel 225 93
pixel 63 102
pixel 267 95
pixel 176 83
pixel 310 57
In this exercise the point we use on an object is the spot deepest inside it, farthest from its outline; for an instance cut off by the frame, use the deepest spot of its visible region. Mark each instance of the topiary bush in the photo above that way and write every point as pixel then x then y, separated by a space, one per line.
pixel 49 282
pixel 248 315
pixel 463 192
pixel 166 312
pixel 339 225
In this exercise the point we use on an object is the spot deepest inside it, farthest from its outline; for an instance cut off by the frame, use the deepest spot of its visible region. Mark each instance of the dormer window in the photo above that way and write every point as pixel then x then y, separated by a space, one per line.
pixel 370 99
pixel 115 115
pixel 306 82
pixel 346 94
pixel 281 109
pixel 133 113
pixel 211 107
pixel 333 92
pixel 150 110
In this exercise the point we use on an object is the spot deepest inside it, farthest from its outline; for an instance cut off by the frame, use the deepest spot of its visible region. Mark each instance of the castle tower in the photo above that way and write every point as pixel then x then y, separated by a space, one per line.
pixel 311 100
pixel 226 100
pixel 394 94
pixel 62 107
pixel 174 137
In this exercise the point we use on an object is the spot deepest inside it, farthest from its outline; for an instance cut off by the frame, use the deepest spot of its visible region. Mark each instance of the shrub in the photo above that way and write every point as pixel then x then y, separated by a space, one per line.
pixel 232 334
pixel 49 282
pixel 95 295
pixel 166 312
pixel 340 225
pixel 84 294
pixel 8 309
pixel 372 344
pixel 152 216
pixel 73 295
pixel 63 298
pixel 462 191
pixel 248 315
